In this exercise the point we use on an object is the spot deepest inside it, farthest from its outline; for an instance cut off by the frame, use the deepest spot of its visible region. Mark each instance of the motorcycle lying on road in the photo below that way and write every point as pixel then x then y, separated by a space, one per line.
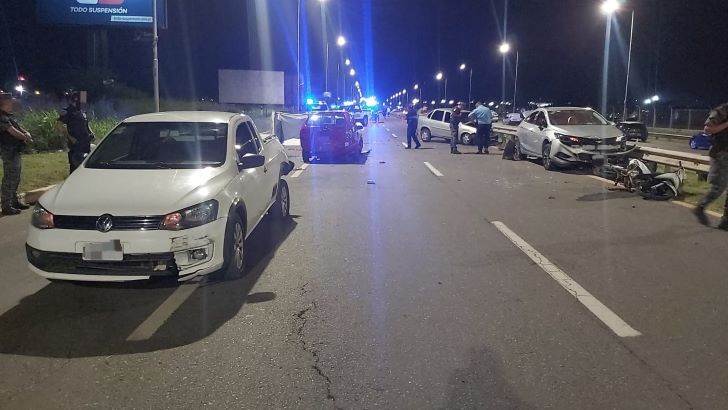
pixel 637 176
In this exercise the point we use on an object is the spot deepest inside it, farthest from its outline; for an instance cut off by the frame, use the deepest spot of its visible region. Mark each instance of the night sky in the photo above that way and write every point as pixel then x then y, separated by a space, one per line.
pixel 679 47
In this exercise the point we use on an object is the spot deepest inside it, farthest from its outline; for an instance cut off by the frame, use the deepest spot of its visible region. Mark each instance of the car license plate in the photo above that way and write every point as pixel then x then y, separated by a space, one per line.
pixel 589 147
pixel 111 251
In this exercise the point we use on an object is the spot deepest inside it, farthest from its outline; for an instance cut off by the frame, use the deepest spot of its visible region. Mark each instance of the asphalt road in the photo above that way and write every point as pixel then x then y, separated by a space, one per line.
pixel 412 279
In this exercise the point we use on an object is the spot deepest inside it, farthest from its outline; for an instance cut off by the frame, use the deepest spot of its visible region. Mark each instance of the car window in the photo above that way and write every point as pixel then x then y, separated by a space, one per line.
pixel 531 118
pixel 244 140
pixel 576 117
pixel 326 119
pixel 149 145
pixel 437 115
pixel 447 117
pixel 540 119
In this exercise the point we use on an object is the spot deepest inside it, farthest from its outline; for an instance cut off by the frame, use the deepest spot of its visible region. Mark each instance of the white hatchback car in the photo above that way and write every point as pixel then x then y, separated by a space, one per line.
pixel 173 194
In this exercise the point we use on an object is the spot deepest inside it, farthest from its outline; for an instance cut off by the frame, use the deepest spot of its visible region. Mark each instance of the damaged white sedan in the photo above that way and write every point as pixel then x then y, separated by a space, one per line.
pixel 173 194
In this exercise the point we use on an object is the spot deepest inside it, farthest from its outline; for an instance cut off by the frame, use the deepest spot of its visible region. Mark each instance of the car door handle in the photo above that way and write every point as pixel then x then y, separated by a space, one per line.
pixel 265 168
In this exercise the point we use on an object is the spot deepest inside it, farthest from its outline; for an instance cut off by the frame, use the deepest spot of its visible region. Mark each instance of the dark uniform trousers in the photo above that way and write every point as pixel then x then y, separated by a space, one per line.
pixel 11 156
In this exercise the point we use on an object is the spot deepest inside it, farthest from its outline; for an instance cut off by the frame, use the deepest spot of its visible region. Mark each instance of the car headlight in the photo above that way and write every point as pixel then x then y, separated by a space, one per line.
pixel 568 139
pixel 191 217
pixel 42 219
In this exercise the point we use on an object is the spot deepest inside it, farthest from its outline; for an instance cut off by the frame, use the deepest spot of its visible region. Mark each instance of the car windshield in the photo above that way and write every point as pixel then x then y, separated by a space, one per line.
pixel 576 117
pixel 353 109
pixel 328 119
pixel 173 145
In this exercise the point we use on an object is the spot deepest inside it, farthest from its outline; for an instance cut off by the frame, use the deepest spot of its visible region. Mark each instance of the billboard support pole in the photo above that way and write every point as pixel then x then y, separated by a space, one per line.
pixel 155 64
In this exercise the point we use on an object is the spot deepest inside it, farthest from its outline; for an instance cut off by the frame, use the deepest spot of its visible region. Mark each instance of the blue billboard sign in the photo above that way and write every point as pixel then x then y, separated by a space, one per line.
pixel 134 13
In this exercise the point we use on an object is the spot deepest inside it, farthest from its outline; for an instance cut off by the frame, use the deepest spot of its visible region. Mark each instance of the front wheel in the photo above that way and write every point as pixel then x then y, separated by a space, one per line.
pixel 467 139
pixel 547 163
pixel 281 209
pixel 234 253
pixel 518 154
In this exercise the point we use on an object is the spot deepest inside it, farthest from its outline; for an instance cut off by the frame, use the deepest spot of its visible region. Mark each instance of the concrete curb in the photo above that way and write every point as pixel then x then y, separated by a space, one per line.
pixel 31 197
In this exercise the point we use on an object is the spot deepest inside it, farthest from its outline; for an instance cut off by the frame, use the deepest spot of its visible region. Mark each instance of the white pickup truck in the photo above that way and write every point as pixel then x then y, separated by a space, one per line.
pixel 173 194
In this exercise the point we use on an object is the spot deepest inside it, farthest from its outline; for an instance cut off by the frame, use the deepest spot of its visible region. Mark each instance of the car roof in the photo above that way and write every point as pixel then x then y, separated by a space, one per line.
pixel 331 112
pixel 567 108
pixel 188 116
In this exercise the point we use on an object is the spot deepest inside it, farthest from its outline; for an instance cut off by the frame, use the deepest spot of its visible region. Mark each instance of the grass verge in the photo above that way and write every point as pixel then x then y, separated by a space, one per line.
pixel 41 170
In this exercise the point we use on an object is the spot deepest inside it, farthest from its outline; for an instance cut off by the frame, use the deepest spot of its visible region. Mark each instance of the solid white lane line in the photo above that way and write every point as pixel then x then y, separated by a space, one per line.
pixel 150 326
pixel 691 206
pixel 404 144
pixel 602 312
pixel 434 170
pixel 598 178
pixel 297 173
pixel 395 135
pixel 304 166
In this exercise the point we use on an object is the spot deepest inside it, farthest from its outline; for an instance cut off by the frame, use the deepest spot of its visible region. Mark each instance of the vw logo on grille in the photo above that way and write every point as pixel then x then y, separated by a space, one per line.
pixel 104 223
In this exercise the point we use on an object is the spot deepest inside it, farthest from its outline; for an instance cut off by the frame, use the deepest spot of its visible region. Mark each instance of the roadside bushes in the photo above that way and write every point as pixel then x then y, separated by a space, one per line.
pixel 48 136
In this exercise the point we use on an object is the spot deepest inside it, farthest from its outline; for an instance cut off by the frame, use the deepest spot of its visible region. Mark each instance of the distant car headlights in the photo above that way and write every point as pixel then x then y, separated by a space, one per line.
pixel 42 219
pixel 191 217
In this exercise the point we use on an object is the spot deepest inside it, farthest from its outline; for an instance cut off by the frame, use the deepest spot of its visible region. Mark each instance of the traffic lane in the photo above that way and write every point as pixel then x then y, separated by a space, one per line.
pixel 17 282
pixel 67 344
pixel 414 306
pixel 648 261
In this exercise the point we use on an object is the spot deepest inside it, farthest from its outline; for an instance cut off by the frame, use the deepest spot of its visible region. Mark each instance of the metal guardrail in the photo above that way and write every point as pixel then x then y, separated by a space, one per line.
pixel 693 162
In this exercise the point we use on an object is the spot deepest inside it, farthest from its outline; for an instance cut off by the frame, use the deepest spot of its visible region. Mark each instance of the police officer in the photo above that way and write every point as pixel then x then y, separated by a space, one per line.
pixel 12 140
pixel 455 119
pixel 78 132
pixel 717 127
pixel 483 117
pixel 412 116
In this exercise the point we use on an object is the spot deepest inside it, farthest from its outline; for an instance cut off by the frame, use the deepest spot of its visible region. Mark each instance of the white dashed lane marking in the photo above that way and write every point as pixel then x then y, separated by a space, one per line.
pixel 434 170
pixel 602 312
pixel 150 326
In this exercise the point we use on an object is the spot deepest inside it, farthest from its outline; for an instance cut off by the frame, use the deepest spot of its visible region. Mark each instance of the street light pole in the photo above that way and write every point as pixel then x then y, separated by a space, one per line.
pixel 298 56
pixel 155 63
pixel 470 88
pixel 326 82
pixel 515 83
pixel 629 66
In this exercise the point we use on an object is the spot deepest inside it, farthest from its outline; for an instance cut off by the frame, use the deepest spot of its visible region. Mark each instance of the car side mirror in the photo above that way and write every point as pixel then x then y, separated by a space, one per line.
pixel 251 161
pixel 359 126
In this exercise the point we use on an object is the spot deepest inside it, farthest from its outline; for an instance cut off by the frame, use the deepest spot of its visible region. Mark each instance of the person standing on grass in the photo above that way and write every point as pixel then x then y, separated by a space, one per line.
pixel 13 139
pixel 483 117
pixel 455 119
pixel 78 132
pixel 412 117
pixel 717 126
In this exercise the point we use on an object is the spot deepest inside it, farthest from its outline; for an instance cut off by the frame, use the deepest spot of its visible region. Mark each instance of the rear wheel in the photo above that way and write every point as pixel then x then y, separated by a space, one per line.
pixel 281 209
pixel 547 163
pixel 234 251
pixel 426 135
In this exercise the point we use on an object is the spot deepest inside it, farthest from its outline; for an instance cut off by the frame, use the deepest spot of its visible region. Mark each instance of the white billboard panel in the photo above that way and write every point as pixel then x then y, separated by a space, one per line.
pixel 251 87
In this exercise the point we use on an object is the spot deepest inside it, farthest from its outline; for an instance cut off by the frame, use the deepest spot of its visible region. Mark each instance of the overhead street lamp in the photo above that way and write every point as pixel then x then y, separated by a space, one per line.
pixel 155 56
pixel 341 41
pixel 608 7
pixel 504 49
pixel 347 62
pixel 439 77
pixel 652 100
pixel 463 66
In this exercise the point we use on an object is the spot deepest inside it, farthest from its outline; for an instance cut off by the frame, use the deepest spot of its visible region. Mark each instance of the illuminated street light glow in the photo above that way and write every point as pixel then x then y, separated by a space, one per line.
pixel 648 101
pixel 417 87
pixel 433 102
pixel 504 48
pixel 439 76
pixel 347 62
pixel 404 91
pixel 451 102
pixel 610 7
pixel 352 72
pixel 19 88
pixel 341 41
pixel 655 98
pixel 462 66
